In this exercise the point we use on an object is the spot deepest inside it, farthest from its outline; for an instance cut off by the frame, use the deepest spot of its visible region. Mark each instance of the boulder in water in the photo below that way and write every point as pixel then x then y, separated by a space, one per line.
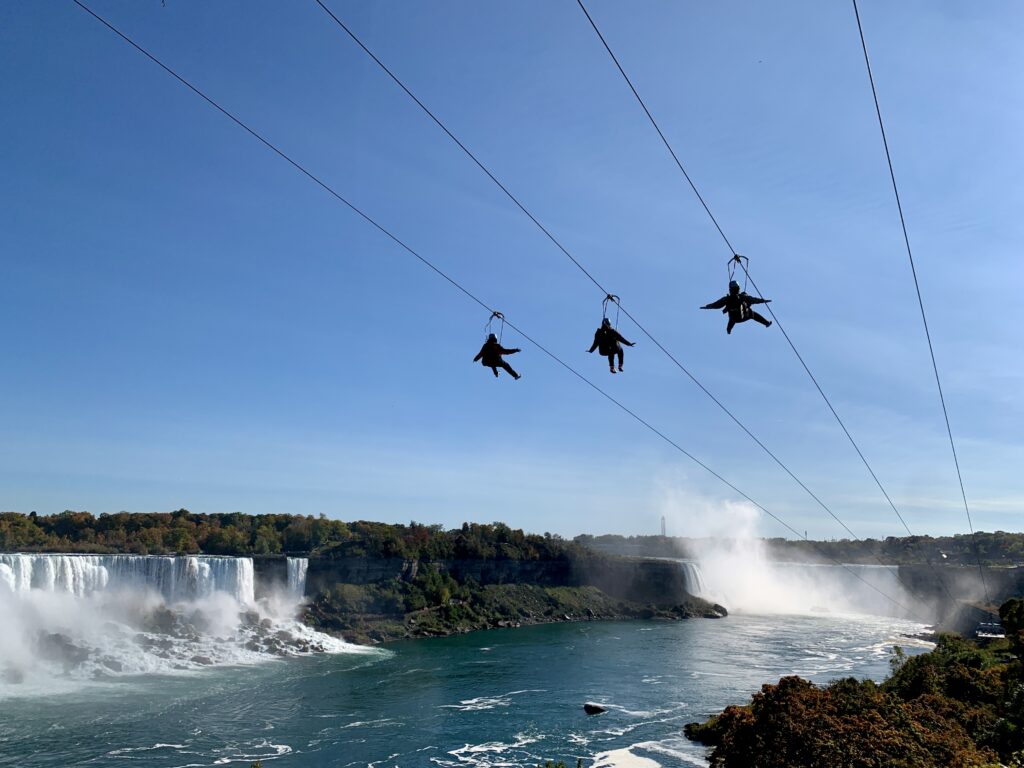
pixel 162 619
pixel 57 647
pixel 593 709
pixel 206 661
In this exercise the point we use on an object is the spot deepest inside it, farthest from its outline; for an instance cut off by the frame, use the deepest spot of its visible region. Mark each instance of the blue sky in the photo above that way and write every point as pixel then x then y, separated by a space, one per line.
pixel 191 322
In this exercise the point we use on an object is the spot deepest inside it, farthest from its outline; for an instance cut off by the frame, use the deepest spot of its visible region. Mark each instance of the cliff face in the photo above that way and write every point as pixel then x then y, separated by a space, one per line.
pixel 963 582
pixel 955 591
pixel 947 588
pixel 643 581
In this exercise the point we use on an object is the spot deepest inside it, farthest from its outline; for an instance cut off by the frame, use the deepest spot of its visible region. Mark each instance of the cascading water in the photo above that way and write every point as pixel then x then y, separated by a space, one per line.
pixel 738 576
pixel 693 578
pixel 173 578
pixel 72 618
pixel 297 567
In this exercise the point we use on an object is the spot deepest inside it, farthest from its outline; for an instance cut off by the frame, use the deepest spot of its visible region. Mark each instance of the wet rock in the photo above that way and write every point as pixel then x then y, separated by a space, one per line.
pixel 163 619
pixel 249 618
pixel 593 709
pixel 57 647
pixel 206 661
pixel 113 665
pixel 12 676
pixel 266 624
pixel 197 621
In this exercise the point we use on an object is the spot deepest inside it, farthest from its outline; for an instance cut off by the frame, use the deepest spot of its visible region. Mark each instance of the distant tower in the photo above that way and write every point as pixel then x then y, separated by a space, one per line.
pixel 663 526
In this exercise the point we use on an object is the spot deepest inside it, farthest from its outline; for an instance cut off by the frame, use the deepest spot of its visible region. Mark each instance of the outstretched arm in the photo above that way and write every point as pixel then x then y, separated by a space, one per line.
pixel 716 304
pixel 479 354
pixel 594 345
pixel 755 300
pixel 504 351
pixel 622 339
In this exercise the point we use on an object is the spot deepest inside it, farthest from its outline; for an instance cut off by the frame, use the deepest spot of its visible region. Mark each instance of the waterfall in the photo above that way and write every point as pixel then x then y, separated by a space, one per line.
pixel 693 578
pixel 297 567
pixel 72 619
pixel 742 579
pixel 175 578
pixel 739 577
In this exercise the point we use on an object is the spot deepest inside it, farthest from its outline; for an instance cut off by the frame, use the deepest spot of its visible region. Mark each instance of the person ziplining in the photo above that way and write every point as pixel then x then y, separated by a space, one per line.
pixel 490 354
pixel 608 342
pixel 607 338
pixel 737 304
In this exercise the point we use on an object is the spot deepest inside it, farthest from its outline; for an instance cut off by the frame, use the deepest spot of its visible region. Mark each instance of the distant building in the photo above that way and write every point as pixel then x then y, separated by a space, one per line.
pixel 663 525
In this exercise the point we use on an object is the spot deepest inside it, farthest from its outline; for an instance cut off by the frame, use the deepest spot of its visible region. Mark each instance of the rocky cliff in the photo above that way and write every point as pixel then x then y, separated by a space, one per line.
pixel 959 595
pixel 658 582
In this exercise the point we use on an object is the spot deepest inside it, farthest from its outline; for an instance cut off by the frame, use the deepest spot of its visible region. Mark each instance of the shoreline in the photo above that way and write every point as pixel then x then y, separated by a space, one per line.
pixel 501 606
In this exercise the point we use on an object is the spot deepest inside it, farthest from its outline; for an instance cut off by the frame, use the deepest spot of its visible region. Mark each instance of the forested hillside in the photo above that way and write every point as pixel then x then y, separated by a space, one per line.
pixel 183 532
pixel 998 548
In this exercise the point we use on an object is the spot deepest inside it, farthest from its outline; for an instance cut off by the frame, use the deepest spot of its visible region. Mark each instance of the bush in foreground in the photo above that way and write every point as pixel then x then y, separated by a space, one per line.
pixel 959 706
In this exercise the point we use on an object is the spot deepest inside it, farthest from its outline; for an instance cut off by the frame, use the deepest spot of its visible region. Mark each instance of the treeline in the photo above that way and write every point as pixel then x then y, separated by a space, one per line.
pixel 998 548
pixel 183 532
pixel 960 706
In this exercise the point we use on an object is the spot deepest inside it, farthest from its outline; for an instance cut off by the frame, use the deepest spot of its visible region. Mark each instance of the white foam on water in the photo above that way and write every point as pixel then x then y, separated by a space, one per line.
pixel 481 754
pixel 130 750
pixel 676 750
pixel 487 702
pixel 75 619
pixel 622 758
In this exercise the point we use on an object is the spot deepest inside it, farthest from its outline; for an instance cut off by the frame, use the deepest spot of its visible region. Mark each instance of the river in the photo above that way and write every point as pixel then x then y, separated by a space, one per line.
pixel 508 697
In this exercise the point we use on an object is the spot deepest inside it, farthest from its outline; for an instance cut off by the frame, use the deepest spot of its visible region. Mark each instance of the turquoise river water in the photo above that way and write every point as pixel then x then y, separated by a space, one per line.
pixel 499 698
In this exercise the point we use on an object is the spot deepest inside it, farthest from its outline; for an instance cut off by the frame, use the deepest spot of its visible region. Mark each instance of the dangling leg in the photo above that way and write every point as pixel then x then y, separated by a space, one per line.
pixel 761 320
pixel 729 327
pixel 621 355
pixel 495 369
pixel 611 362
pixel 508 368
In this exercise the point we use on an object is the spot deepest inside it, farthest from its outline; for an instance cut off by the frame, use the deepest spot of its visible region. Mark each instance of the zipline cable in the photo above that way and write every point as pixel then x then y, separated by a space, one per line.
pixel 657 128
pixel 465 291
pixel 461 146
pixel 736 256
pixel 576 261
pixel 917 288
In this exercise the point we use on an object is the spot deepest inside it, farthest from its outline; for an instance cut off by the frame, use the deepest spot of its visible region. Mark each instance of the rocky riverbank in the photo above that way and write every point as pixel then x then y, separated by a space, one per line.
pixel 372 614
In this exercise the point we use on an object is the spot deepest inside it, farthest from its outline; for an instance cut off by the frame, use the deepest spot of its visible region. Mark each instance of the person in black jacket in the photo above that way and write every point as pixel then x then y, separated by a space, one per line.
pixel 490 355
pixel 608 342
pixel 737 304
